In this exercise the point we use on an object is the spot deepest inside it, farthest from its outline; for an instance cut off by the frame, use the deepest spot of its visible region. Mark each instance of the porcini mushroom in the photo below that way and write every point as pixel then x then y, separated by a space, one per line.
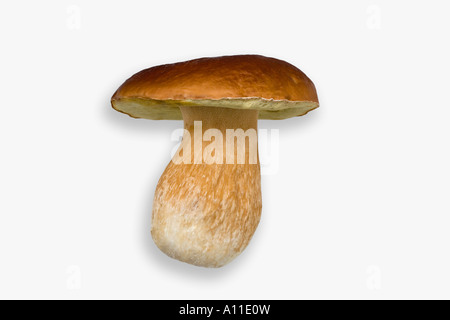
pixel 207 203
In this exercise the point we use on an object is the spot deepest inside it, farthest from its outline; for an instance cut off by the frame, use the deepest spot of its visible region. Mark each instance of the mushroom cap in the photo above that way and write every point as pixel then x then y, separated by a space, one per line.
pixel 276 88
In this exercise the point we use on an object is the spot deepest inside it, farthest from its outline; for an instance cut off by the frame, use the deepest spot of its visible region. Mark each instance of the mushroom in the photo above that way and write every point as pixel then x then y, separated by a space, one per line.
pixel 207 203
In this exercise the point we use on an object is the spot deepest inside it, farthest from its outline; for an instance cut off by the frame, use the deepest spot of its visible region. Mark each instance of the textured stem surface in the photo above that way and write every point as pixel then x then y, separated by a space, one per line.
pixel 205 214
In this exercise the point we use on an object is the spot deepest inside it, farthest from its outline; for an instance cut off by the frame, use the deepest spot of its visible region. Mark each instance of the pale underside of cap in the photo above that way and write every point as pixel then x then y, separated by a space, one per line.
pixel 169 109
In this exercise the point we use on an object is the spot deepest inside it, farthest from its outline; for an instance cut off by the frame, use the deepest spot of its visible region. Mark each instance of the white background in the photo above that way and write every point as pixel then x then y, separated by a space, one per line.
pixel 358 208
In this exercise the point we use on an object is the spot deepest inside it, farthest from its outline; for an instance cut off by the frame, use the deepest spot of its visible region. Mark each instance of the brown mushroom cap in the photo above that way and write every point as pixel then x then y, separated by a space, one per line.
pixel 274 87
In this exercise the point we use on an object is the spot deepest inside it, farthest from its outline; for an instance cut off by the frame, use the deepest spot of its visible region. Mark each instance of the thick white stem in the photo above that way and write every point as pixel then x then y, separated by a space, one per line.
pixel 205 211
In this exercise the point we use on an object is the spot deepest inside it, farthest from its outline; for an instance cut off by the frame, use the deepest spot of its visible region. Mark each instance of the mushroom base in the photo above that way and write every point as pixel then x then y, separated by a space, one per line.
pixel 206 214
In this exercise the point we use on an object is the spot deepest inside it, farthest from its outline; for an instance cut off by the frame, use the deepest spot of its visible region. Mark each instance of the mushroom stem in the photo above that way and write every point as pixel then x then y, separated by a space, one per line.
pixel 207 202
